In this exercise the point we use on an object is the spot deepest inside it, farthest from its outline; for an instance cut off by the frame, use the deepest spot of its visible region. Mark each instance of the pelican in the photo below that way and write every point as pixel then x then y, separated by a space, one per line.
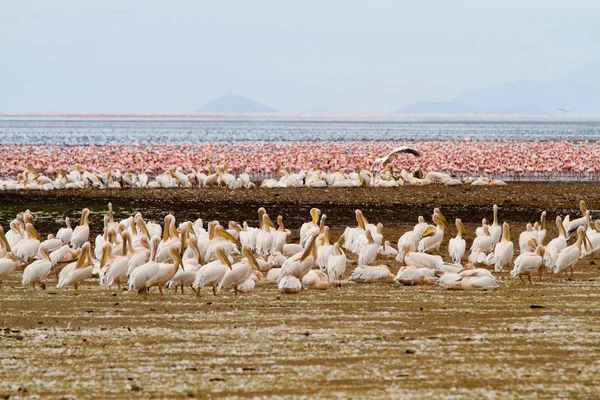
pixel 28 248
pixel 212 273
pixel 325 250
pixel 483 243
pixel 368 274
pixel 392 156
pixel 81 271
pixel 239 272
pixel 479 231
pixel 525 239
pixel 413 236
pixel 571 226
pixel 569 255
pixel 315 279
pixel 81 233
pixel 64 234
pixel 307 228
pixel 410 276
pixel 114 268
pixel 458 245
pixel 300 263
pixel 289 284
pixel 8 264
pixel 165 271
pixel 368 252
pixel 529 262
pixel 431 242
pixel 421 260
pixel 495 229
pixel 504 249
pixel 555 246
pixel 4 245
pixel 336 264
pixel 37 271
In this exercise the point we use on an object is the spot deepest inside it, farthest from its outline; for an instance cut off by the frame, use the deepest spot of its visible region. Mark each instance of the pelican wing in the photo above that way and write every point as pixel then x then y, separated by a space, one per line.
pixel 392 155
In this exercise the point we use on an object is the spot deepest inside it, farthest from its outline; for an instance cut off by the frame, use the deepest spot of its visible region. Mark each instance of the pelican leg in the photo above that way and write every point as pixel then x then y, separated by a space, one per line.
pixel 529 278
pixel 214 290
pixel 76 287
pixel 43 285
pixel 521 278
pixel 33 284
pixel 197 291
pixel 540 273
pixel 119 285
pixel 181 289
pixel 160 290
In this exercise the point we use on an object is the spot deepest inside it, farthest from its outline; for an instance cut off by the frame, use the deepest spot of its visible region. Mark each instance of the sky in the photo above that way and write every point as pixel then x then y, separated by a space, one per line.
pixel 346 55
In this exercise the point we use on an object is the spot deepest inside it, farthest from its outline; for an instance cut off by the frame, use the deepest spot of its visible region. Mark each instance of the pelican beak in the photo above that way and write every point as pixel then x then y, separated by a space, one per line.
pixel 82 259
pixel 383 243
pixel 429 231
pixel 104 257
pixel 224 234
pixel 144 228
pixel 315 215
pixel 269 222
pixel 442 221
pixel 250 257
pixel 34 233
pixel 18 259
pixel 31 168
pixel 341 240
pixel 583 207
pixel 309 248
pixel 223 257
pixel 586 241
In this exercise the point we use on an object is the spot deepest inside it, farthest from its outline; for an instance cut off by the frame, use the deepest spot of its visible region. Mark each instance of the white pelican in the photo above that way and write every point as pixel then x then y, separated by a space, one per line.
pixel 529 262
pixel 451 281
pixel 410 276
pixel 541 231
pixel 371 274
pixel 300 263
pixel 392 156
pixel 495 229
pixel 315 279
pixel 37 271
pixel 28 248
pixel 81 271
pixel 483 243
pixel 571 226
pixel 478 283
pixel 433 236
pixel 351 234
pixel 568 257
pixel 504 250
pixel 458 245
pixel 421 260
pixel 289 284
pixel 212 273
pixel 479 230
pixel 165 271
pixel 307 228
pixel 81 233
pixel 336 264
pixel 368 252
pixel 279 236
pixel 8 264
pixel 555 246
pixel 239 272
pixel 114 268
pixel 264 237
pixel 525 239
pixel 387 249
pixel 4 245
pixel 64 234
pixel 413 236
pixel 325 250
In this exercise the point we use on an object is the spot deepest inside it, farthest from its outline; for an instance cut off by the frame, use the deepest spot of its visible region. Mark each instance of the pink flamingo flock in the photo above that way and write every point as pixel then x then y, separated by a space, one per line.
pixel 509 160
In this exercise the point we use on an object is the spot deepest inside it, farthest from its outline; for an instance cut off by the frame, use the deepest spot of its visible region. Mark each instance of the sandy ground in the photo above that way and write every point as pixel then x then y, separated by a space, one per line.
pixel 361 341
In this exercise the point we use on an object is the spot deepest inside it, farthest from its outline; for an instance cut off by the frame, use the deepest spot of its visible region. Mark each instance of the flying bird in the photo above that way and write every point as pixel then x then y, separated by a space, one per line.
pixel 393 154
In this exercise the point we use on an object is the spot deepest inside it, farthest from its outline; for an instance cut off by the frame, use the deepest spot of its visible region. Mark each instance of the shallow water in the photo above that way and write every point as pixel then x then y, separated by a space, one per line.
pixel 151 131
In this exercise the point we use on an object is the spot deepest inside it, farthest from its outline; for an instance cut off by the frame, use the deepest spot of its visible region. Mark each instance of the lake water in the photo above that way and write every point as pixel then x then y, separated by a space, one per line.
pixel 151 131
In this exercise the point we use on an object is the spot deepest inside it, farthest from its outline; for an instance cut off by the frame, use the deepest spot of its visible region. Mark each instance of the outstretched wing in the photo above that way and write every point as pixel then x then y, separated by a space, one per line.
pixel 390 157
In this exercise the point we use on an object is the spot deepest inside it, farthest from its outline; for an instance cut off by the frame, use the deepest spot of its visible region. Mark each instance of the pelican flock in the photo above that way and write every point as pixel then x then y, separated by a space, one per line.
pixel 239 258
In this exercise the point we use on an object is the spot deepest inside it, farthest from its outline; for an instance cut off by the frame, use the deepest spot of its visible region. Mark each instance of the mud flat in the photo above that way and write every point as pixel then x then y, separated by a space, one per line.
pixel 360 341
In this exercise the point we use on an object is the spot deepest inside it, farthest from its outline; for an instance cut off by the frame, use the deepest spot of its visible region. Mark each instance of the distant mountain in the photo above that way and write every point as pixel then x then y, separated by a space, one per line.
pixel 576 92
pixel 317 109
pixel 438 107
pixel 232 103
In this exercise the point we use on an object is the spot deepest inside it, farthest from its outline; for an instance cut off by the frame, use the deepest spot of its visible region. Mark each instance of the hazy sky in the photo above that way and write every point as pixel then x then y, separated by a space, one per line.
pixel 347 55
